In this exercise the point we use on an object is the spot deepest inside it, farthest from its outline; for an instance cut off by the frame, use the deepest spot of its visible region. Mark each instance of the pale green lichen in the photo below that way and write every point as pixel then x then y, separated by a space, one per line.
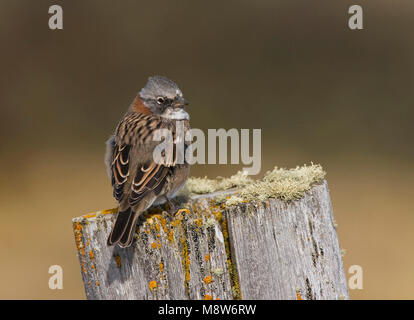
pixel 285 184
pixel 218 271
pixel 221 198
pixel 205 185
pixel 233 200
pixel 210 222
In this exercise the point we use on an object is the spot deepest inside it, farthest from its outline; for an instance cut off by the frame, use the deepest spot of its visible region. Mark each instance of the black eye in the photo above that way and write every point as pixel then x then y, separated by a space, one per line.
pixel 160 100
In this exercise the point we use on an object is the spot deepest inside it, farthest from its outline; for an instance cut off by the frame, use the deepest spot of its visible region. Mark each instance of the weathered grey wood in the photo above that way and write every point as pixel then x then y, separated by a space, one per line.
pixel 287 251
pixel 264 250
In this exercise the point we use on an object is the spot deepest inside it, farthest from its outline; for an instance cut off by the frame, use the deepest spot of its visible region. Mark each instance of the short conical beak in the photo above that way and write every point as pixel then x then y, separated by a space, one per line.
pixel 180 102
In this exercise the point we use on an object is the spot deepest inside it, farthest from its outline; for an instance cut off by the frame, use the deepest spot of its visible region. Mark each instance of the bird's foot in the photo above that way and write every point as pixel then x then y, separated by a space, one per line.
pixel 172 208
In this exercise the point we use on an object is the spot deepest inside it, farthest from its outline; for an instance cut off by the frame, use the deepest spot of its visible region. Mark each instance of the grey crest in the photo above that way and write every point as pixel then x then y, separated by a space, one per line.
pixel 159 86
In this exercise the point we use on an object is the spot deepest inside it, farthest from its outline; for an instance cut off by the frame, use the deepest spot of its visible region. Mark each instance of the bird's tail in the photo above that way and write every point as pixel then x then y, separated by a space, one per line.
pixel 123 229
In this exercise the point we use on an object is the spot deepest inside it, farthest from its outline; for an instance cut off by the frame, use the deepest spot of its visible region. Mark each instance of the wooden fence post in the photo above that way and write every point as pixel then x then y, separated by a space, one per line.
pixel 271 249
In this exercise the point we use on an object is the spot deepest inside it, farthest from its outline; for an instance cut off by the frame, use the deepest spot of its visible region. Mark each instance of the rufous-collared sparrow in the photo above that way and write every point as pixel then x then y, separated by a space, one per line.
pixel 138 180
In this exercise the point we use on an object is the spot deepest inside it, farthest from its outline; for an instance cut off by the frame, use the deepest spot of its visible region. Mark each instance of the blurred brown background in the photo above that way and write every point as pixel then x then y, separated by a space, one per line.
pixel 319 91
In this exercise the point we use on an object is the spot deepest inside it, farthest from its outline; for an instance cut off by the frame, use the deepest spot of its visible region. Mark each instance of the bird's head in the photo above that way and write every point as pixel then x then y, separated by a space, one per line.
pixel 163 97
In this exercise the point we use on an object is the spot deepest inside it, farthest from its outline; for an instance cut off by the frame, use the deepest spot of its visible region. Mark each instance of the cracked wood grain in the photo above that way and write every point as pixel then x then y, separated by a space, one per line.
pixel 262 250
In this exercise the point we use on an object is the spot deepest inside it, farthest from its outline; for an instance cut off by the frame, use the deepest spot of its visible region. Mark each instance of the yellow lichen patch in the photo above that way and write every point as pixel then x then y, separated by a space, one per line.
pixel 186 261
pixel 198 222
pixel 171 236
pixel 218 214
pixel 157 227
pixel 175 223
pixel 91 255
pixel 152 285
pixel 164 225
pixel 153 218
pixel 118 261
pixel 207 279
pixel 77 228
pixel 207 257
pixel 114 210
pixel 87 216
pixel 208 297
pixel 232 270
pixel 96 214
pixel 185 210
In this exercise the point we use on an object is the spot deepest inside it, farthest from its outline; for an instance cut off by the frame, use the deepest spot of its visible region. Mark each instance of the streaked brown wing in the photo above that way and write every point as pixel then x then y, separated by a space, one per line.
pixel 150 177
pixel 134 130
pixel 120 169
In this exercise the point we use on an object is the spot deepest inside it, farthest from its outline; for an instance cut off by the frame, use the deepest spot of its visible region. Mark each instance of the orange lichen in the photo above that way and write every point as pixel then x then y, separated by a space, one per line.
pixel 164 225
pixel 152 285
pixel 113 210
pixel 218 215
pixel 118 261
pixel 97 283
pixel 91 255
pixel 153 245
pixel 87 216
pixel 208 297
pixel 175 223
pixel 77 227
pixel 183 210
pixel 157 226
pixel 170 236
pixel 161 267
pixel 207 257
pixel 233 274
pixel 93 266
pixel 298 297
pixel 103 212
pixel 186 261
pixel 207 280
